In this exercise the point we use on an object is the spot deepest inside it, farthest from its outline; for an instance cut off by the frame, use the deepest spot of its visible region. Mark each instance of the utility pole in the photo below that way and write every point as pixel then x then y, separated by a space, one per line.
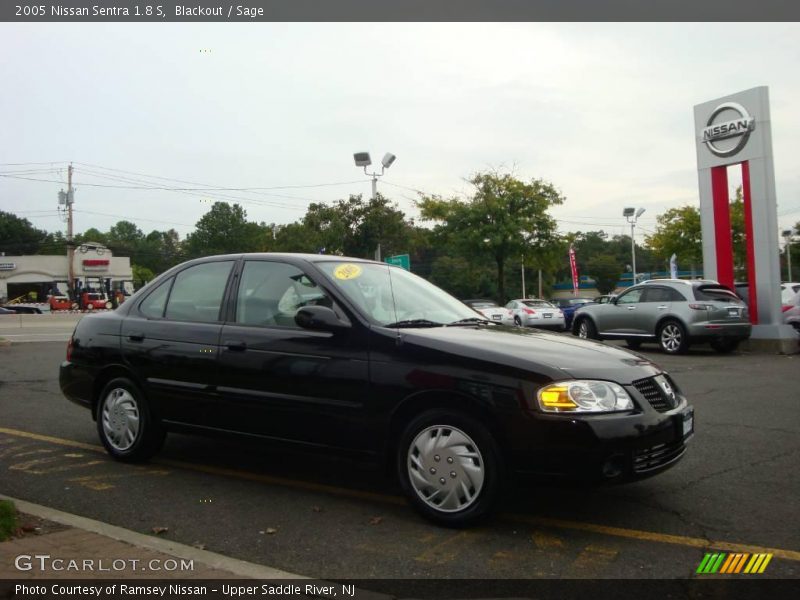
pixel 70 240
pixel 787 235
pixel 523 276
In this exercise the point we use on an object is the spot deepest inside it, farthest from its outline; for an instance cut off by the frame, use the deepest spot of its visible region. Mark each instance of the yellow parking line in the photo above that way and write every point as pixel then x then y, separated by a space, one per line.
pixel 648 536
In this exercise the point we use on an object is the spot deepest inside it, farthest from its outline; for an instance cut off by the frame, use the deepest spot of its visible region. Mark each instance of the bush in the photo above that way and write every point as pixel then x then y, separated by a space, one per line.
pixel 8 519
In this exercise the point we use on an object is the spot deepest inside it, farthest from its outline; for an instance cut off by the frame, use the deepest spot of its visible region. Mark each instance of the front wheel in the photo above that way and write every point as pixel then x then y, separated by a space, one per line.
pixel 125 424
pixel 449 467
pixel 672 338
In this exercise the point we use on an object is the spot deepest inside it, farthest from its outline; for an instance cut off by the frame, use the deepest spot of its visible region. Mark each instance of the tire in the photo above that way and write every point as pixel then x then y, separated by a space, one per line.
pixel 90 307
pixel 586 329
pixel 109 305
pixel 633 344
pixel 724 345
pixel 672 337
pixel 517 321
pixel 125 424
pixel 467 458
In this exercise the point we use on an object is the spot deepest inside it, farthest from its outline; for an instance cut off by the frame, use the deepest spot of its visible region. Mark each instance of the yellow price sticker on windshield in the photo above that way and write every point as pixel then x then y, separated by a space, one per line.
pixel 347 271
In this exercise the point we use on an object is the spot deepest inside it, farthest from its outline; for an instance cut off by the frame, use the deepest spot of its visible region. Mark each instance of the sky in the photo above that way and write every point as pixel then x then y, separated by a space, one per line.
pixel 602 111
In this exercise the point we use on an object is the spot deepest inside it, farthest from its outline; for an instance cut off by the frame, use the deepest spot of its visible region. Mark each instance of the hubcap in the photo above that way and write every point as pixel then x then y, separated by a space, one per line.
pixel 445 468
pixel 671 338
pixel 583 330
pixel 120 419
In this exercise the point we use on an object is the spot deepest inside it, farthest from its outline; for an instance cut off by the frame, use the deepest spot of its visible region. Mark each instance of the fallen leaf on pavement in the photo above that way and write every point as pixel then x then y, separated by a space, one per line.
pixel 271 530
pixel 375 520
pixel 160 530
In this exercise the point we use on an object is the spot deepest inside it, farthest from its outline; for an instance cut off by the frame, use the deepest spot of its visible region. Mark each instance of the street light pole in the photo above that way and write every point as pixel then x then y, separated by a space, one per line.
pixel 632 215
pixel 787 235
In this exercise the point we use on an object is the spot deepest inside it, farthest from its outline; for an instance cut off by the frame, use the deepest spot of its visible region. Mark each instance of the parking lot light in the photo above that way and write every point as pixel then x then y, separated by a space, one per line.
pixel 632 215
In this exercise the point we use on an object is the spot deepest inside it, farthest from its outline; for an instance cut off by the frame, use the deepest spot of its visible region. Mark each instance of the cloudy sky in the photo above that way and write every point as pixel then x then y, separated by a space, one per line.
pixel 603 111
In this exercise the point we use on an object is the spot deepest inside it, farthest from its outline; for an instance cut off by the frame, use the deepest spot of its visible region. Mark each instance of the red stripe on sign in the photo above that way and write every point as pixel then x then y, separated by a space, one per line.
pixel 723 241
pixel 751 245
pixel 95 262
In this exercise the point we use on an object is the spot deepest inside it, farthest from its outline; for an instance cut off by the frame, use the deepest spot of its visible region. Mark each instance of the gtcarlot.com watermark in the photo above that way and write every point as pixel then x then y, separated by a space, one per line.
pixel 46 563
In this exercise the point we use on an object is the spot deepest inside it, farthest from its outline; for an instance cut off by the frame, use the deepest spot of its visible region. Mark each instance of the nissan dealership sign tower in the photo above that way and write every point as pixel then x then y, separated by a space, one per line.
pixel 735 130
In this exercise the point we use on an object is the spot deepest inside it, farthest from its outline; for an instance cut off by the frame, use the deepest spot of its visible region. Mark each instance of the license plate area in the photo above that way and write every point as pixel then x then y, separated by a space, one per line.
pixel 733 312
pixel 547 315
pixel 496 317
pixel 686 423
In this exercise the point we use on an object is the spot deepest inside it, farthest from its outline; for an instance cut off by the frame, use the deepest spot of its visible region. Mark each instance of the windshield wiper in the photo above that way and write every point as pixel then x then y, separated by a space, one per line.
pixel 415 323
pixel 469 321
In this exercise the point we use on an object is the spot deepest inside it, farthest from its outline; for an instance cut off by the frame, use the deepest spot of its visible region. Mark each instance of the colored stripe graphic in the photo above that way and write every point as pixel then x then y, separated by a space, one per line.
pixel 734 563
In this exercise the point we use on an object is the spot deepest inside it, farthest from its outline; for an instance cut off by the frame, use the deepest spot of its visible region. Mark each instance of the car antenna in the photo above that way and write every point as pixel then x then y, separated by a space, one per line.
pixel 398 339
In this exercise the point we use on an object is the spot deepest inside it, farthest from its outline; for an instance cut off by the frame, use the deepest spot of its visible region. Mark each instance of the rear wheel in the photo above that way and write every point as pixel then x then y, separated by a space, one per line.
pixel 672 338
pixel 724 345
pixel 125 423
pixel 517 321
pixel 587 330
pixel 449 467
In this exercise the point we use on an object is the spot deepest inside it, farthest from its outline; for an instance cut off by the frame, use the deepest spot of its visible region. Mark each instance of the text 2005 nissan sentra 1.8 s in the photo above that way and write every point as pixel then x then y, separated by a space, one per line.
pixel 352 355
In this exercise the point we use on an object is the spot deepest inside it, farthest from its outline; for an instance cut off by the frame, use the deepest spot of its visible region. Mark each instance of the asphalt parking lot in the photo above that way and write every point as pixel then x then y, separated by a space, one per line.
pixel 736 490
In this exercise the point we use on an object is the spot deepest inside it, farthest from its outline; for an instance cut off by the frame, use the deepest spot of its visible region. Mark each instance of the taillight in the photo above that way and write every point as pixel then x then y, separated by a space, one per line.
pixel 529 311
pixel 786 307
pixel 700 306
pixel 69 349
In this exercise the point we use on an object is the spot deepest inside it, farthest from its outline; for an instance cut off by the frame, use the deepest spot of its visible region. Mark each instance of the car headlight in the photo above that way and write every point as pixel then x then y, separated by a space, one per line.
pixel 584 396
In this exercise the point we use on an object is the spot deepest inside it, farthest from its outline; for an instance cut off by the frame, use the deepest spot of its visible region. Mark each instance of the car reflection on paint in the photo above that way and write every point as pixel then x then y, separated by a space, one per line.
pixel 346 355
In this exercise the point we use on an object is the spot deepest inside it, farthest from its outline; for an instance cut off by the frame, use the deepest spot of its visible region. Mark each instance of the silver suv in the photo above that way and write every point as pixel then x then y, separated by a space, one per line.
pixel 673 312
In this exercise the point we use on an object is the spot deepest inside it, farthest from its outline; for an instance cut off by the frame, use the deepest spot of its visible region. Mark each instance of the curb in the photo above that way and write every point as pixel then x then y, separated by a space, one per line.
pixel 238 567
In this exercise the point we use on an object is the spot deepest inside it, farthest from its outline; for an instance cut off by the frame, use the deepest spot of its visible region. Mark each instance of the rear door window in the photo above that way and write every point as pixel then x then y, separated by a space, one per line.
pixel 198 291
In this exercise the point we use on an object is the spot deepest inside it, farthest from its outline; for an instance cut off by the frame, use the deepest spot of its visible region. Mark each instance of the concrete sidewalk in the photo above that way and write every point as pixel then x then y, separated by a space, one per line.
pixel 89 549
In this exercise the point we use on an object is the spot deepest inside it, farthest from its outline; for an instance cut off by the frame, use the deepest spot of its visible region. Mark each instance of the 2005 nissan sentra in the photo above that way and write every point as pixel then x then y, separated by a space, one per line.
pixel 351 355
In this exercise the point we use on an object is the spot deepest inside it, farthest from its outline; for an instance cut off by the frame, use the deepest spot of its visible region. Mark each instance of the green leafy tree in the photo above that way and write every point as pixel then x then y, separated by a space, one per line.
pixel 225 229
pixel 504 219
pixel 19 236
pixel 604 268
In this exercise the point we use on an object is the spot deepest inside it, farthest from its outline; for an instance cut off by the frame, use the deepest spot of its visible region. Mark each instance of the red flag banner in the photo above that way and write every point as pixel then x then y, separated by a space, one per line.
pixel 574 266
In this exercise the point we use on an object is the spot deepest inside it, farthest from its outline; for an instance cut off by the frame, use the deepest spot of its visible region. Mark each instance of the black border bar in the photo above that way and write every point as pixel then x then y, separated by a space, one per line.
pixel 196 11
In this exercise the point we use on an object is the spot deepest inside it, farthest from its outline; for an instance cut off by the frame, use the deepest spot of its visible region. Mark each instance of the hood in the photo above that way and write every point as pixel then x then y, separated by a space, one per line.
pixel 551 354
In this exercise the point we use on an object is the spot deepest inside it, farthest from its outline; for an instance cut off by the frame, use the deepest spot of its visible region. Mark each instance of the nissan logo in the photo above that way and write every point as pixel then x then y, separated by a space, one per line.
pixel 739 127
pixel 668 389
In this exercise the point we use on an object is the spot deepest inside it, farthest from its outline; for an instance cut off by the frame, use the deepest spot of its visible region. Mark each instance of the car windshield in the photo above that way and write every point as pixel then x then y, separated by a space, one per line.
pixel 390 295
pixel 716 294
pixel 537 304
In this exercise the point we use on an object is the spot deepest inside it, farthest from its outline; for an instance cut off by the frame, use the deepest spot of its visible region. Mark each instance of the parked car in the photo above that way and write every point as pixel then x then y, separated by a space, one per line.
pixel 675 313
pixel 788 290
pixel 491 310
pixel 532 312
pixel 23 309
pixel 338 354
pixel 569 305
pixel 791 315
pixel 5 311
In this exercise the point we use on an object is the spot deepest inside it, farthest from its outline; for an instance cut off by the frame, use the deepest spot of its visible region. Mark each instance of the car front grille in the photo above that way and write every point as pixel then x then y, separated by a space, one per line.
pixel 657 456
pixel 656 395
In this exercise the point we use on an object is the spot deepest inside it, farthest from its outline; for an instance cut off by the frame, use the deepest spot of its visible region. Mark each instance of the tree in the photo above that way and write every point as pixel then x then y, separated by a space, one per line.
pixel 504 219
pixel 678 232
pixel 224 230
pixel 605 270
pixel 19 236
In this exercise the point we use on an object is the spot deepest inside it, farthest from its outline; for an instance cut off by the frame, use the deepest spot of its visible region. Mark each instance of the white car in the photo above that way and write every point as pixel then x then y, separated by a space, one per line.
pixel 788 290
pixel 531 312
pixel 492 311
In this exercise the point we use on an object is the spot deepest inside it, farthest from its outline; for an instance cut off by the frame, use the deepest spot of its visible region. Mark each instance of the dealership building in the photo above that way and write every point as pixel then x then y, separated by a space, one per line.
pixel 36 276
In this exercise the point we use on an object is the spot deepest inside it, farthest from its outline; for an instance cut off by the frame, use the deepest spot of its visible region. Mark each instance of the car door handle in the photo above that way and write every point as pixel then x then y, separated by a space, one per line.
pixel 662 307
pixel 235 345
pixel 631 308
pixel 136 336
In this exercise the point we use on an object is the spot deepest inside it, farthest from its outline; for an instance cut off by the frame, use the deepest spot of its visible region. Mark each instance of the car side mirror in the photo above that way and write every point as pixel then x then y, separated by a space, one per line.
pixel 320 318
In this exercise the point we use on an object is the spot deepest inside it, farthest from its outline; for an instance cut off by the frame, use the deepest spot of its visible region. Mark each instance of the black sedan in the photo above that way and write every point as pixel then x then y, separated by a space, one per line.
pixel 343 354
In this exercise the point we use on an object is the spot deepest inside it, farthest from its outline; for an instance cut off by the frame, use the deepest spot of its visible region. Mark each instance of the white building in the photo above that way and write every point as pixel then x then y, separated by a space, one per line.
pixel 93 266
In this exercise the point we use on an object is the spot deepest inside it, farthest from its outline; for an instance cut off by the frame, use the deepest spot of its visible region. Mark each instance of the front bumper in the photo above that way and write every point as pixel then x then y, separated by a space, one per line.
pixel 602 448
